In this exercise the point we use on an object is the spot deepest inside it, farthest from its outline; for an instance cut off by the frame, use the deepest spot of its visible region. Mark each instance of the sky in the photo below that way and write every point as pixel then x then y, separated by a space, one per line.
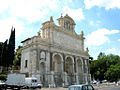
pixel 99 19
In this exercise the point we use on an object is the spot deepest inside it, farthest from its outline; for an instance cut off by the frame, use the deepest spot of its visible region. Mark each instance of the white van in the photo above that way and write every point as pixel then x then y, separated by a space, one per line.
pixel 31 82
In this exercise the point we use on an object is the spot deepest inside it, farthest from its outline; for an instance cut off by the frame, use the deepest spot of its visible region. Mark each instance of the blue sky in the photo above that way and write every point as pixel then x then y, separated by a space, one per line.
pixel 99 19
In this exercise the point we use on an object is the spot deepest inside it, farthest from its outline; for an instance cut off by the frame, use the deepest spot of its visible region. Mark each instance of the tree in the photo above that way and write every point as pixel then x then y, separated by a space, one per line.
pixel 113 73
pixel 1 46
pixel 11 47
pixel 99 67
pixel 7 51
pixel 101 54
pixel 17 59
pixel 4 54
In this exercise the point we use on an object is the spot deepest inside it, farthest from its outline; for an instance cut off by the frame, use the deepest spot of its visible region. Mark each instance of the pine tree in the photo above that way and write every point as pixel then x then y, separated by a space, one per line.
pixel 11 47
pixel 1 45
pixel 4 54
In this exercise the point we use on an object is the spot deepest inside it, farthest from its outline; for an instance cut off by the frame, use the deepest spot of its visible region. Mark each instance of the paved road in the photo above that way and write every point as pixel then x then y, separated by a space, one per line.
pixel 99 88
pixel 110 88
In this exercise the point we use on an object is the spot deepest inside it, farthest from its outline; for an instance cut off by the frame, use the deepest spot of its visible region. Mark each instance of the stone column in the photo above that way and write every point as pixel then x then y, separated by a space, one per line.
pixel 65 79
pixel 34 61
pixel 52 83
pixel 64 74
pixel 51 66
pixel 86 74
pixel 77 79
pixel 47 66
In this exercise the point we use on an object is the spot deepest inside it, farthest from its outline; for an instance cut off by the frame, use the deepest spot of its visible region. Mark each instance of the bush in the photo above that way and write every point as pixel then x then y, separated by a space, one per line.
pixel 3 77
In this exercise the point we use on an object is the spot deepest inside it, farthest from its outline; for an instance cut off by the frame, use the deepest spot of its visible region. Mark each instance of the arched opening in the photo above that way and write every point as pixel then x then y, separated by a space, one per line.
pixel 58 69
pixel 42 73
pixel 79 66
pixel 69 65
pixel 70 70
pixel 42 68
pixel 57 64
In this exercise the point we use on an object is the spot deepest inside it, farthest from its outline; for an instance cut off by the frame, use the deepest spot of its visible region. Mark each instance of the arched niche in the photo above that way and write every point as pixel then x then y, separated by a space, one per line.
pixel 69 65
pixel 79 66
pixel 42 68
pixel 57 64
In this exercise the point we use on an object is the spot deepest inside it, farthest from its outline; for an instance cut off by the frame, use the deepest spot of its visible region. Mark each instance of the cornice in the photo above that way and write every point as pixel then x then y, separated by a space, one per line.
pixel 63 30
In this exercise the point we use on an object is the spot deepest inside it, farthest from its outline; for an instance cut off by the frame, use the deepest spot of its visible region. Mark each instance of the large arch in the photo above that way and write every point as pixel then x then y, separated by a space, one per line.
pixel 69 65
pixel 79 66
pixel 57 66
pixel 69 69
pixel 58 69
pixel 42 67
pixel 80 70
pixel 42 72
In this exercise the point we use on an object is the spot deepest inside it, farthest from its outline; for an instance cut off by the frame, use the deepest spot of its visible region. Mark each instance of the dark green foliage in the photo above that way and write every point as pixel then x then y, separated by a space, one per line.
pixel 11 47
pixel 7 51
pixel 17 59
pixel 3 77
pixel 4 54
pixel 113 73
pixel 101 54
pixel 103 66
pixel 1 45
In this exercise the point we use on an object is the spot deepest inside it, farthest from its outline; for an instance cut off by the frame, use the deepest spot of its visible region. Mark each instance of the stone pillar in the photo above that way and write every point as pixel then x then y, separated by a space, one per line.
pixel 47 67
pixel 77 79
pixel 52 83
pixel 63 62
pixel 51 65
pixel 75 64
pixel 86 78
pixel 34 61
pixel 86 66
pixel 65 79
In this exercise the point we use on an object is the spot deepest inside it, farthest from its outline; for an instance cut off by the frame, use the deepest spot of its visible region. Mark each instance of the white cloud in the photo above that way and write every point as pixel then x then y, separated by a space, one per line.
pixel 118 39
pixel 18 13
pixel 108 4
pixel 6 25
pixel 30 15
pixel 76 14
pixel 70 1
pixel 99 37
pixel 91 22
pixel 30 10
pixel 4 4
pixel 110 50
pixel 119 52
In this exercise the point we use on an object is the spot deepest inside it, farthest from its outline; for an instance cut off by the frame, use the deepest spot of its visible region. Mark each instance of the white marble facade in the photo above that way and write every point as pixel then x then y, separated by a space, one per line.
pixel 56 56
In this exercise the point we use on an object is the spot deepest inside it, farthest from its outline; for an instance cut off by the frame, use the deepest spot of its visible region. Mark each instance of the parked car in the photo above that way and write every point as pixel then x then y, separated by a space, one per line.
pixel 94 82
pixel 2 85
pixel 118 82
pixel 81 87
pixel 39 85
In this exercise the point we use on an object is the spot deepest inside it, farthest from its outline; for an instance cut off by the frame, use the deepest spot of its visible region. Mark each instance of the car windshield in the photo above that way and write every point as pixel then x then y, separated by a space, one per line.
pixel 74 88
pixel 82 87
pixel 87 87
